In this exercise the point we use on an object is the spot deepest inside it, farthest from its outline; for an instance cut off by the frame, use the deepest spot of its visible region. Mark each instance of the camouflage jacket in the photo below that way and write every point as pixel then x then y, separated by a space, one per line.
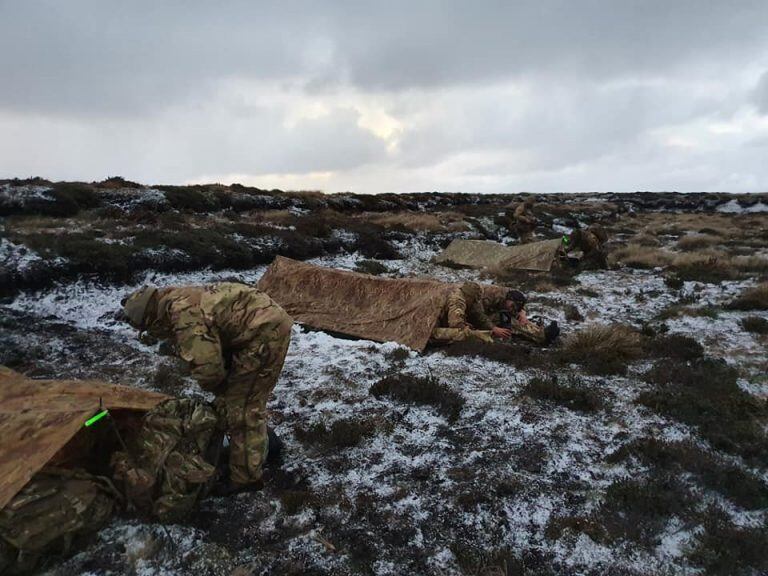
pixel 207 323
pixel 461 311
pixel 523 217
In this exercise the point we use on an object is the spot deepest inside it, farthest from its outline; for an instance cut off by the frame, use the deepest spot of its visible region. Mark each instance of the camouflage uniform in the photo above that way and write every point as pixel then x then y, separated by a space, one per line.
pixel 590 242
pixel 524 222
pixel 52 513
pixel 493 303
pixel 235 339
pixel 463 316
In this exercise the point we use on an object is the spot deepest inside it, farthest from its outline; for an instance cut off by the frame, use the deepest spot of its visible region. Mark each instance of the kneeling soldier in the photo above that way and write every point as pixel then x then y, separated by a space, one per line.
pixel 235 339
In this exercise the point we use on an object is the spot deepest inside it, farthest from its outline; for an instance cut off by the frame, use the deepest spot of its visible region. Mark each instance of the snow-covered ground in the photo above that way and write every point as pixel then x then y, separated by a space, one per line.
pixel 420 489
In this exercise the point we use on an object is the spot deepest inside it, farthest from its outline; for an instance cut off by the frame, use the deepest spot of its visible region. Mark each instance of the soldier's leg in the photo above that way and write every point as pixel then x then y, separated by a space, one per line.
pixel 447 335
pixel 254 373
pixel 530 331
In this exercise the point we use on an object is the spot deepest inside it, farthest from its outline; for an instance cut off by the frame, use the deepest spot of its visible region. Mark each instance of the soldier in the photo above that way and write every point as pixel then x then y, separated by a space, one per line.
pixel 590 242
pixel 235 339
pixel 464 318
pixel 514 317
pixel 524 221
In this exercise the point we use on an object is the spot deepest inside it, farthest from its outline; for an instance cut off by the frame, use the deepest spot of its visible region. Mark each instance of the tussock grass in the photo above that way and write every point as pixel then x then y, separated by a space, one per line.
pixel 751 299
pixel 603 348
pixel 696 242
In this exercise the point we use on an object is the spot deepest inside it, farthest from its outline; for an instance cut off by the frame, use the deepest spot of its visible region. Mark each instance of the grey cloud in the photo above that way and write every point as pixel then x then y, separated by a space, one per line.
pixel 760 94
pixel 91 56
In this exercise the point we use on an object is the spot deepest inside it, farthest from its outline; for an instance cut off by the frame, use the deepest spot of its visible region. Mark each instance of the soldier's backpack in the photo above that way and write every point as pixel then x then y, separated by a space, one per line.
pixel 53 513
pixel 171 463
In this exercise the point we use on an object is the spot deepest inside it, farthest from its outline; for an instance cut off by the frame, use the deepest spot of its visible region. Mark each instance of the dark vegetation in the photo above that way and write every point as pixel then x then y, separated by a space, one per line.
pixel 345 433
pixel 674 346
pixel 704 393
pixel 421 391
pixel 754 324
pixel 574 393
pixel 725 549
pixel 713 471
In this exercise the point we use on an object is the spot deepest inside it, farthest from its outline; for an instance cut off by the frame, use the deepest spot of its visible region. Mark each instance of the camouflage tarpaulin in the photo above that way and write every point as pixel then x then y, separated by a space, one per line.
pixel 39 417
pixel 536 256
pixel 361 305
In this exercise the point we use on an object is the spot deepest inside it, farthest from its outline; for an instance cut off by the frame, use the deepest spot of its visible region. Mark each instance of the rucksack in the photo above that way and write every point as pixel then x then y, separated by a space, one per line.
pixel 171 463
pixel 51 515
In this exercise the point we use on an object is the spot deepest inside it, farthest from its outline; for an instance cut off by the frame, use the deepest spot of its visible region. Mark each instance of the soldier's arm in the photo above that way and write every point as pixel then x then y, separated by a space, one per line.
pixel 199 345
pixel 479 318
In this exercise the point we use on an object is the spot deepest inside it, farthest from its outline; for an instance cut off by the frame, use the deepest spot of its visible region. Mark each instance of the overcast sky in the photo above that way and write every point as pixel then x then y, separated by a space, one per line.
pixel 482 96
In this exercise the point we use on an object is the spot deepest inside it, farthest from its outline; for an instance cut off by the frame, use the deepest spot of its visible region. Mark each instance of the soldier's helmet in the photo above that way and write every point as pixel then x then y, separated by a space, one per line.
pixel 517 297
pixel 135 306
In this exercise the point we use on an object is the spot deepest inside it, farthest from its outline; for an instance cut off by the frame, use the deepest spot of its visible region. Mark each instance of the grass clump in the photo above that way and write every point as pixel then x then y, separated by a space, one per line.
pixel 704 393
pixel 603 348
pixel 573 394
pixel 754 324
pixel 715 473
pixel 696 242
pixel 755 298
pixel 424 391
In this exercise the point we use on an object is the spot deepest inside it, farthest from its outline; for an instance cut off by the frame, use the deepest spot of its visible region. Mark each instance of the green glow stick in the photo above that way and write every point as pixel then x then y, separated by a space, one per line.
pixel 96 418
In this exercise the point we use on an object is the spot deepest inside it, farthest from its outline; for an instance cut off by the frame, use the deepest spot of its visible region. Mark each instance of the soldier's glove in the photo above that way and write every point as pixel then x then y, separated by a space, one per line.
pixel 147 339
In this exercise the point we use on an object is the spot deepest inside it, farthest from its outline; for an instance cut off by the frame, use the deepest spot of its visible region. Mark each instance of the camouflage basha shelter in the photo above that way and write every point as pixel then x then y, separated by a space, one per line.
pixel 535 256
pixel 380 309
pixel 40 418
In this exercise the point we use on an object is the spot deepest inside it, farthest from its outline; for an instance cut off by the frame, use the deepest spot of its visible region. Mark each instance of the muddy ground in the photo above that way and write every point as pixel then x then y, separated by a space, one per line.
pixel 637 445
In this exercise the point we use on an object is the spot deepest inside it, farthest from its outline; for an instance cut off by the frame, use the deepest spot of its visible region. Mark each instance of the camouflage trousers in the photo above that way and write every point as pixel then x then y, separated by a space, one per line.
pixel 529 331
pixel 253 373
pixel 460 335
pixel 525 232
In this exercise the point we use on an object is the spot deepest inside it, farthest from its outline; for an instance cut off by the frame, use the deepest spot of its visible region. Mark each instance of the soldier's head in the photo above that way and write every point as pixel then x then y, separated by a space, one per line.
pixel 136 304
pixel 471 291
pixel 514 301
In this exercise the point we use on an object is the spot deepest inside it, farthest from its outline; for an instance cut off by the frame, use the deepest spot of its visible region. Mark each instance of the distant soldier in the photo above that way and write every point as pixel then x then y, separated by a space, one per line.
pixel 464 318
pixel 591 242
pixel 524 222
pixel 235 339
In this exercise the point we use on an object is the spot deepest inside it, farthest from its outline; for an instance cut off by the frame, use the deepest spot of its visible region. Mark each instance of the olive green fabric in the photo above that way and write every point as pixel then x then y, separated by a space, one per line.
pixel 172 460
pixel 51 515
pixel 235 339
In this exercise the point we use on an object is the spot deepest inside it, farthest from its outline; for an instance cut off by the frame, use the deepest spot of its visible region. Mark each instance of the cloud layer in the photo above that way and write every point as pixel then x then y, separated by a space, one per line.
pixel 389 96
